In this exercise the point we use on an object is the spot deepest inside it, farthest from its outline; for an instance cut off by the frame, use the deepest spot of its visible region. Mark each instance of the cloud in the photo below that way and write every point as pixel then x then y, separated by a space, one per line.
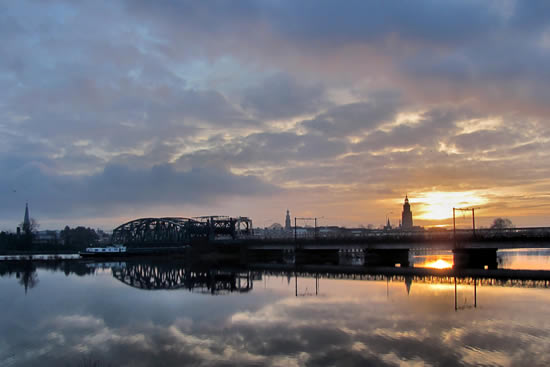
pixel 119 188
pixel 280 97
pixel 266 148
pixel 341 98
pixel 353 119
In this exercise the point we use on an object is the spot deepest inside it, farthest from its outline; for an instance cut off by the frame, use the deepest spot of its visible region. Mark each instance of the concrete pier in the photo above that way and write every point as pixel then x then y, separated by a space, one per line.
pixel 387 257
pixel 475 258
pixel 317 256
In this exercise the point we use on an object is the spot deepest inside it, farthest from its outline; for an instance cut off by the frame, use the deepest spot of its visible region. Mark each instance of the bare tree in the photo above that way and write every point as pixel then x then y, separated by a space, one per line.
pixel 501 223
pixel 33 225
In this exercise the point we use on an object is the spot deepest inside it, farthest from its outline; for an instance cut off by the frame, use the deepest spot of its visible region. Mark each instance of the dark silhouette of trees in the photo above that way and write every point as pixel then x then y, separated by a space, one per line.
pixel 11 241
pixel 502 223
pixel 79 236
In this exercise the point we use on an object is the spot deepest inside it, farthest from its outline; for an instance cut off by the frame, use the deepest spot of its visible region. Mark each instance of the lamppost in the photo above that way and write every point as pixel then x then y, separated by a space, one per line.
pixel 473 221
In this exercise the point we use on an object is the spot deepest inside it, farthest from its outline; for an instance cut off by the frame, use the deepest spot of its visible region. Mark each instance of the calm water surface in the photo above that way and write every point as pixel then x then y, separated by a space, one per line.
pixel 159 313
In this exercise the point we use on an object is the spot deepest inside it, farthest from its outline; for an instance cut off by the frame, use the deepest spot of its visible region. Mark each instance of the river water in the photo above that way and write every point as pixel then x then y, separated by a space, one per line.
pixel 160 313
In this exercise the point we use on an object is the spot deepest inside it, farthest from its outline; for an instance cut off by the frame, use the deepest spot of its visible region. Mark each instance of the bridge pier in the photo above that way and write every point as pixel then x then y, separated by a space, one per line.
pixel 316 256
pixel 475 258
pixel 387 257
pixel 264 255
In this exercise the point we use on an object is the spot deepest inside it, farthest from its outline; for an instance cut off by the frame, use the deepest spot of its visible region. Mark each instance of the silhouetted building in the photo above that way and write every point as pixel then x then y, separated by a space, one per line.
pixel 406 216
pixel 26 220
pixel 387 227
pixel 46 237
pixel 288 225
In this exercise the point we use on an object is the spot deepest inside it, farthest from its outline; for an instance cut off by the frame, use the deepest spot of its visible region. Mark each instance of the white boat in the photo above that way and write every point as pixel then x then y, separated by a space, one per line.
pixel 104 251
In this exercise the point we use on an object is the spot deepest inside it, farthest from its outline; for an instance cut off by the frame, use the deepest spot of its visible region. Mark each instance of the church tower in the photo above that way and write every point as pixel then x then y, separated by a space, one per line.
pixel 406 216
pixel 26 220
pixel 288 226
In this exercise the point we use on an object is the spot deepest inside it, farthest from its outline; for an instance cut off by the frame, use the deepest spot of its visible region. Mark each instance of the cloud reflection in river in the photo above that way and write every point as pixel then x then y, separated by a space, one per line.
pixel 350 322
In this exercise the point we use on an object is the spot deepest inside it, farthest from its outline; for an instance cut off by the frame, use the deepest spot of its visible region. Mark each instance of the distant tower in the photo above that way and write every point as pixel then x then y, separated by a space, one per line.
pixel 288 226
pixel 407 215
pixel 26 220
pixel 387 227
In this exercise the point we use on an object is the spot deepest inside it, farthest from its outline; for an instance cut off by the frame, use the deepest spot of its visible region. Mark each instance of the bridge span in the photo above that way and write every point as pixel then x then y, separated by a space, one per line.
pixel 179 231
pixel 223 234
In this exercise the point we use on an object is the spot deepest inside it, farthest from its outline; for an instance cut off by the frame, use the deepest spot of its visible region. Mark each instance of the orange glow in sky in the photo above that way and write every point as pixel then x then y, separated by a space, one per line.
pixel 437 205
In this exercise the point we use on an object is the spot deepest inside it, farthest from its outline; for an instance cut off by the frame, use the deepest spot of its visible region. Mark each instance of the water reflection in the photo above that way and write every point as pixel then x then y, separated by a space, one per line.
pixel 26 270
pixel 313 316
pixel 172 276
pixel 536 259
pixel 528 259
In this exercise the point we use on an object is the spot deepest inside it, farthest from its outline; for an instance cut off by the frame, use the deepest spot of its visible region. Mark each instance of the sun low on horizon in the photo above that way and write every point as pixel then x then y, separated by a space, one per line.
pixel 438 205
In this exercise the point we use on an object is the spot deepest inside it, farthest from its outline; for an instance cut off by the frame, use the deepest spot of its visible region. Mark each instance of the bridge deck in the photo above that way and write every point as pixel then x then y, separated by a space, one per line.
pixel 443 245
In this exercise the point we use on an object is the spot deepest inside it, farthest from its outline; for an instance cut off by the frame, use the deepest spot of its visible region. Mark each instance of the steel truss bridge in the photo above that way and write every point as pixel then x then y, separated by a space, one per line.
pixel 170 231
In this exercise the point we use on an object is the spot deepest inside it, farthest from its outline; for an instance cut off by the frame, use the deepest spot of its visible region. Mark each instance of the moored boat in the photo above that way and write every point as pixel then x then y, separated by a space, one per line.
pixel 110 251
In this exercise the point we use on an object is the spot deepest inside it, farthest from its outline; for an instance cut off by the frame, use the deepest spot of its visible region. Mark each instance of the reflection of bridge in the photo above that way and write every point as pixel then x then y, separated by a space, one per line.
pixel 427 279
pixel 496 277
pixel 171 276
pixel 170 231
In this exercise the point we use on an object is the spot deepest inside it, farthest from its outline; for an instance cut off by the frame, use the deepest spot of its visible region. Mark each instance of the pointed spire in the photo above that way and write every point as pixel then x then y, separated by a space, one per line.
pixel 408 284
pixel 26 220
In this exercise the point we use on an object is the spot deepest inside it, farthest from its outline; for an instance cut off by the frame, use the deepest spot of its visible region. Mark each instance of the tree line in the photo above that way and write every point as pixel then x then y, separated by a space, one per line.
pixel 77 238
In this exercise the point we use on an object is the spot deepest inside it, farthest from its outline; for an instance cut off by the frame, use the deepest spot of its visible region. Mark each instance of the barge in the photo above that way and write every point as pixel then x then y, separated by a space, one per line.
pixel 120 251
pixel 111 251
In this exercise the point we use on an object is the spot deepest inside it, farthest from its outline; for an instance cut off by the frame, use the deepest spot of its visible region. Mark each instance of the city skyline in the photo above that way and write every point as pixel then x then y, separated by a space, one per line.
pixel 405 223
pixel 116 110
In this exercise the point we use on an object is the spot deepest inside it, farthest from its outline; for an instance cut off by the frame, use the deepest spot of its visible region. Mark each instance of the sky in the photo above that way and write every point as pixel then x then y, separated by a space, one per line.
pixel 115 110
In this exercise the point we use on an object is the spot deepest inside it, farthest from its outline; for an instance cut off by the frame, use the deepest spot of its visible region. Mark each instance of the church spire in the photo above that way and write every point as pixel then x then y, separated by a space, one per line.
pixel 26 220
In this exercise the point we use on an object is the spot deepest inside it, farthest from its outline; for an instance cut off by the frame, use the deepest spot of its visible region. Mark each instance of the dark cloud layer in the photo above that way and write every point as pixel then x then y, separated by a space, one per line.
pixel 280 97
pixel 118 188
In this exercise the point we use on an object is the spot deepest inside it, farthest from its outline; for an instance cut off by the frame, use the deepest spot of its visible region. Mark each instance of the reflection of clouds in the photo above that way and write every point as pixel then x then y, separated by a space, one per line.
pixel 406 339
pixel 503 342
pixel 78 321
pixel 472 355
pixel 392 334
pixel 357 327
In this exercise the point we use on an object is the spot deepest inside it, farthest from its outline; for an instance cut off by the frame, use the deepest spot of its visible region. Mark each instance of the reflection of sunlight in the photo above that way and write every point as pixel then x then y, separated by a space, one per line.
pixel 439 261
pixel 438 205
pixel 439 264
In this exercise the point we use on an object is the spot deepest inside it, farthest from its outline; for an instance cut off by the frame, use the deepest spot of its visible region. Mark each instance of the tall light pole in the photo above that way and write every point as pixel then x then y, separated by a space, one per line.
pixel 315 228
pixel 473 221
pixel 295 230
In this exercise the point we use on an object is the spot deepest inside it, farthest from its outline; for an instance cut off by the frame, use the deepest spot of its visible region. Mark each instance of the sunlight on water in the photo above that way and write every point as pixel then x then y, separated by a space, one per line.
pixel 532 259
pixel 439 264
pixel 443 260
